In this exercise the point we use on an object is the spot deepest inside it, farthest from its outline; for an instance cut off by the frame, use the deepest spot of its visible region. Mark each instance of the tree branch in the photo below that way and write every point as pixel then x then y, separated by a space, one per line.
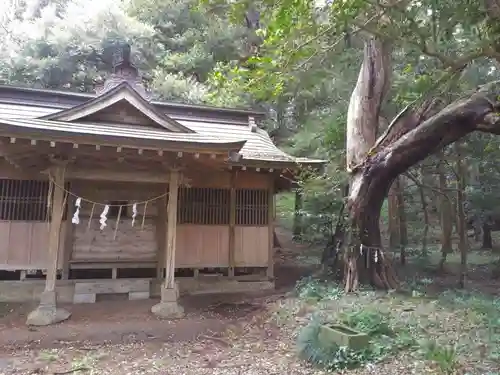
pixel 449 125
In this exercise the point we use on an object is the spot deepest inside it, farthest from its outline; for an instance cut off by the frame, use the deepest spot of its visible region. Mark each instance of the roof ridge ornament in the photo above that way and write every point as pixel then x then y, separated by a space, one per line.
pixel 124 71
pixel 252 124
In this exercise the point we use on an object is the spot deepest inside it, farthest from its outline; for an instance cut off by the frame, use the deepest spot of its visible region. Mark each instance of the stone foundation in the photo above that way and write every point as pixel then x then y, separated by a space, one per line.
pixel 47 312
pixel 31 290
pixel 168 308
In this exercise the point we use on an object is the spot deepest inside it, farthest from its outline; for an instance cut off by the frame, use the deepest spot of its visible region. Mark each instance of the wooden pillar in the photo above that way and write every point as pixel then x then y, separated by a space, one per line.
pixel 55 227
pixel 168 307
pixel 48 312
pixel 171 235
pixel 232 224
pixel 161 227
pixel 270 219
pixel 68 237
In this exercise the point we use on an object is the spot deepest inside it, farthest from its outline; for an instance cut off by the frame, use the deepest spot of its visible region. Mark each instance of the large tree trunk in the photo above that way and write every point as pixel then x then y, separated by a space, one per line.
pixel 405 144
pixel 363 259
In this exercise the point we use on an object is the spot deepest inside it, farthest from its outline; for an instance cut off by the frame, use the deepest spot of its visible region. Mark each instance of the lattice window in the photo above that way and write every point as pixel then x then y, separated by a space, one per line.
pixel 203 206
pixel 252 207
pixel 23 200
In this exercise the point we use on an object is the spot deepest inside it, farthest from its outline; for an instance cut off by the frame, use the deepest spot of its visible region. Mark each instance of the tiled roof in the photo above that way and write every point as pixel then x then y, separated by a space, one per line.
pixel 258 145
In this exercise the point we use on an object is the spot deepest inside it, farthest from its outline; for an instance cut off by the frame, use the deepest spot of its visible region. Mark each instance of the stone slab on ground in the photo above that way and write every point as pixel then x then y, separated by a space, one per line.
pixel 112 286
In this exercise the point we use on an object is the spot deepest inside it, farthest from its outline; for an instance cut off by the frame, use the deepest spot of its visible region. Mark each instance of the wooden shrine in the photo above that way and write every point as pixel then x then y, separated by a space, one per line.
pixel 113 193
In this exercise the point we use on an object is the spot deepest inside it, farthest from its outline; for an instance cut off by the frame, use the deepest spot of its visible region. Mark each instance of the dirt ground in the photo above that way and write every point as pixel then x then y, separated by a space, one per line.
pixel 220 334
pixel 247 334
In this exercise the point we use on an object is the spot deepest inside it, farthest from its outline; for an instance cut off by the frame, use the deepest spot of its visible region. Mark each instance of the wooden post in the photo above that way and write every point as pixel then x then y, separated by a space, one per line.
pixel 171 235
pixel 47 312
pixel 55 227
pixel 232 224
pixel 270 219
pixel 161 227
pixel 68 237
pixel 168 306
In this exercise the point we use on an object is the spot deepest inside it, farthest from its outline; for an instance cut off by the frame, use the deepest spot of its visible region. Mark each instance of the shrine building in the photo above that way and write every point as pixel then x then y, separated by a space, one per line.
pixel 115 193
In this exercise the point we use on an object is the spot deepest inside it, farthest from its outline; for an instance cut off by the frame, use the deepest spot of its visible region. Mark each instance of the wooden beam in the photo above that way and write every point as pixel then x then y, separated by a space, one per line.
pixel 57 174
pixel 110 175
pixel 232 223
pixel 171 235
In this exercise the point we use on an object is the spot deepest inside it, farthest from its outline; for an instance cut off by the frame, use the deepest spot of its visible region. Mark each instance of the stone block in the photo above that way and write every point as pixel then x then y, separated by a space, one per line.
pixel 84 298
pixel 342 336
pixel 114 286
pixel 138 295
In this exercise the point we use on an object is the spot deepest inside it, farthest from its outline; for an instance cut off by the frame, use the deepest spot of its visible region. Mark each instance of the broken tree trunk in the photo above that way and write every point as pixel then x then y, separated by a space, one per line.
pixel 364 260
pixel 402 146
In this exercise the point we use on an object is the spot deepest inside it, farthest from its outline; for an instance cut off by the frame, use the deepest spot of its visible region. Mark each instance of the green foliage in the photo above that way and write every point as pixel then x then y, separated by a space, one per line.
pixel 311 288
pixel 371 322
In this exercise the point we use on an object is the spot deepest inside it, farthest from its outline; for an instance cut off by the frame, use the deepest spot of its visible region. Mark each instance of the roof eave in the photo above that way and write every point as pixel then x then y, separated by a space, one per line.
pixel 49 135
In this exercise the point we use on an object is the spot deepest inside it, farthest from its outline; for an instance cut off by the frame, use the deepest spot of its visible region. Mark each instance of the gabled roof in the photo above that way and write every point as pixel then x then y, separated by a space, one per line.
pixel 258 146
pixel 122 92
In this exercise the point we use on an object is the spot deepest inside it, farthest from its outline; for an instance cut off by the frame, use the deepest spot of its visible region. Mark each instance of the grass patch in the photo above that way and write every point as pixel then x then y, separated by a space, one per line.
pixel 310 289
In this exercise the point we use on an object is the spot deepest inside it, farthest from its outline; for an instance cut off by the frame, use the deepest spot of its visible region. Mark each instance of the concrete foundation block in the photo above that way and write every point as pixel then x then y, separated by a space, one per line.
pixel 138 295
pixel 169 294
pixel 84 298
pixel 47 312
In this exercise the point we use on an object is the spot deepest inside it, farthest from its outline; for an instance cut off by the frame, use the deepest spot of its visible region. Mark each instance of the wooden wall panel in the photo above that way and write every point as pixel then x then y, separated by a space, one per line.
pixel 131 242
pixel 202 246
pixel 251 246
pixel 24 245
